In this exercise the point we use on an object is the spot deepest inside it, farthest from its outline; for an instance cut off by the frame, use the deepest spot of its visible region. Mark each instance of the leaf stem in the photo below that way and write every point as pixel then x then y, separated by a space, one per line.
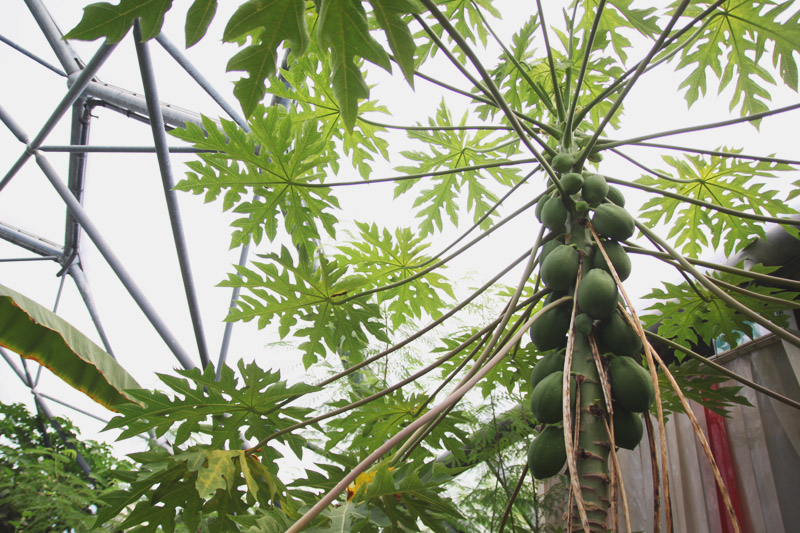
pixel 764 159
pixel 766 278
pixel 700 127
pixel 722 370
pixel 451 400
pixel 631 82
pixel 550 62
pixel 743 309
pixel 695 201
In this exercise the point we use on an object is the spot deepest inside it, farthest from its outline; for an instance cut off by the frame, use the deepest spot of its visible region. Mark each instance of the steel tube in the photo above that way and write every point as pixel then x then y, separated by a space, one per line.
pixel 162 153
pixel 77 172
pixel 11 124
pixel 33 56
pixel 184 62
pixel 129 100
pixel 73 148
pixel 116 265
pixel 30 242
pixel 61 433
pixel 76 272
pixel 73 93
pixel 226 336
pixel 13 366
pixel 64 52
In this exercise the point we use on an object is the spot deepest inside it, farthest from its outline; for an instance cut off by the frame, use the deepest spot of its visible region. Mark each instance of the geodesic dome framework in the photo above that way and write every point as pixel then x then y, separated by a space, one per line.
pixel 29 223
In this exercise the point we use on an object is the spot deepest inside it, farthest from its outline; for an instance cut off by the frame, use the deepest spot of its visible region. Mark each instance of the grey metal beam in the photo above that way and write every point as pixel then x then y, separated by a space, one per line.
pixel 5 355
pixel 64 52
pixel 72 148
pixel 176 221
pixel 76 176
pixel 129 100
pixel 190 69
pixel 226 335
pixel 76 272
pixel 114 262
pixel 73 93
pixel 25 259
pixel 12 125
pixel 61 433
pixel 33 56
pixel 30 242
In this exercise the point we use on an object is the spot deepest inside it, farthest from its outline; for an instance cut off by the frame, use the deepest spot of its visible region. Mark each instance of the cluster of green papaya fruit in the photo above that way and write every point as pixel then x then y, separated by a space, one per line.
pixel 587 197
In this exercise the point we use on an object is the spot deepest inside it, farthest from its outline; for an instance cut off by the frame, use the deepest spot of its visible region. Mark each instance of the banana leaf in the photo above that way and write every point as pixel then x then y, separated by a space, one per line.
pixel 37 333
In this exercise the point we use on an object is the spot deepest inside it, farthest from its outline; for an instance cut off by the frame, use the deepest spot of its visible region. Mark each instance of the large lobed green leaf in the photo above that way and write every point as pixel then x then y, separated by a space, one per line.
pixel 37 333
pixel 113 21
pixel 727 182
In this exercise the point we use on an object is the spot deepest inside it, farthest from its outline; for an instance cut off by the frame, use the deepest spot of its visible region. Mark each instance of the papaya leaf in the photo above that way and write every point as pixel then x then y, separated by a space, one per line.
pixel 686 318
pixel 453 149
pixel 218 472
pixel 310 90
pixel 281 161
pixel 113 21
pixel 199 16
pixel 701 384
pixel 343 31
pixel 728 182
pixel 388 260
pixel 342 518
pixel 270 23
pixel 388 14
pixel 311 301
pixel 732 43
pixel 616 15
pixel 37 333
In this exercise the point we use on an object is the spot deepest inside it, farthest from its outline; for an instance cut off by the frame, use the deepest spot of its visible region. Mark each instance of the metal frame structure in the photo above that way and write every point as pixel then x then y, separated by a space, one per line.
pixel 84 92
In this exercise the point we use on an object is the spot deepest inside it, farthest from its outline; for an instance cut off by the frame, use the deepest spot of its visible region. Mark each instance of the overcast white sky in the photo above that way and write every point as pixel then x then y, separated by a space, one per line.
pixel 125 199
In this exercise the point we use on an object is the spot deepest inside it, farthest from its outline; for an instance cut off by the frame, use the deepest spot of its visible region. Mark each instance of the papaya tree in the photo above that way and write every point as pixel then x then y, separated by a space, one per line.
pixel 543 139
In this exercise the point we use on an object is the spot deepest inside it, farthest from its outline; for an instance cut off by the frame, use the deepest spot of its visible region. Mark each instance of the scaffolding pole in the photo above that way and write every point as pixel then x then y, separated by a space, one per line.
pixel 176 221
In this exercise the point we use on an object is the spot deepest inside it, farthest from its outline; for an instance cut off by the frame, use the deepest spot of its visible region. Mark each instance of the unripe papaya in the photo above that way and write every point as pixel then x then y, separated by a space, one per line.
pixel 540 205
pixel 548 247
pixel 631 386
pixel 611 220
pixel 554 214
pixel 628 428
pixel 563 162
pixel 547 453
pixel 549 332
pixel 572 182
pixel 552 362
pixel 615 196
pixel 584 323
pixel 597 294
pixel 615 336
pixel 546 398
pixel 560 268
pixel 619 258
pixel 581 208
pixel 594 189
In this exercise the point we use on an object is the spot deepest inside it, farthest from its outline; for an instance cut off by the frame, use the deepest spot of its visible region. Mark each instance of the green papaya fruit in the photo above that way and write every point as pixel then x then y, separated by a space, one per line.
pixel 614 335
pixel 597 294
pixel 548 247
pixel 631 386
pixel 584 323
pixel 628 428
pixel 619 258
pixel 546 398
pixel 554 214
pixel 615 196
pixel 563 162
pixel 594 189
pixel 560 267
pixel 540 205
pixel 581 208
pixel 549 332
pixel 551 362
pixel 572 182
pixel 611 220
pixel 547 454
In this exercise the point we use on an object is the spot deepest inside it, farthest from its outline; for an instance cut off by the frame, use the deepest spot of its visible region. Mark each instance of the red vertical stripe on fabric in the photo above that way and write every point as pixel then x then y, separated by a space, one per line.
pixel 720 449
